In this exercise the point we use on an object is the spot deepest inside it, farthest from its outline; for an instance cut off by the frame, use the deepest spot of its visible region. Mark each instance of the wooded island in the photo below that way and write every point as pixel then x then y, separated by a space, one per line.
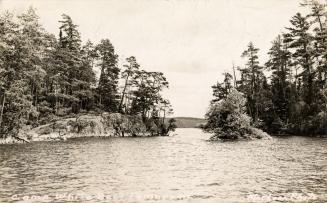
pixel 45 79
pixel 292 99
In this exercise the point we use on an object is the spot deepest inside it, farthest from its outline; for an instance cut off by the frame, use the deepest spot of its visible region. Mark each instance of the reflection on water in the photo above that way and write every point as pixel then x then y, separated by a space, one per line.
pixel 182 167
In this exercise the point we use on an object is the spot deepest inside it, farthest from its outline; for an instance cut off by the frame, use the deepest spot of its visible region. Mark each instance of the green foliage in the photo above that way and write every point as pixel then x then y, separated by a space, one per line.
pixel 21 44
pixel 44 78
pixel 129 76
pixel 228 120
pixel 108 82
pixel 147 100
pixel 69 37
pixel 292 99
pixel 171 125
pixel 253 82
pixel 221 90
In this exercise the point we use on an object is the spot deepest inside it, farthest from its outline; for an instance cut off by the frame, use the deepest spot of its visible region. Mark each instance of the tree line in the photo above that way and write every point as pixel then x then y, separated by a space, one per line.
pixel 44 77
pixel 288 94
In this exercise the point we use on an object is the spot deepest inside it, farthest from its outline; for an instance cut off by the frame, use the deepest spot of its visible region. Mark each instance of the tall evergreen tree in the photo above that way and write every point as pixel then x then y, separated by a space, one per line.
pixel 108 82
pixel 128 75
pixel 221 90
pixel 21 60
pixel 252 82
pixel 147 94
pixel 279 63
pixel 303 55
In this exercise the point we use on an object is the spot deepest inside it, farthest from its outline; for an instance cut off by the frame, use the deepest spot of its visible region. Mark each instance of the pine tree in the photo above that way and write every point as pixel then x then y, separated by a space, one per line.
pixel 108 82
pixel 69 36
pixel 147 95
pixel 128 75
pixel 21 45
pixel 252 81
pixel 221 90
pixel 279 63
pixel 301 44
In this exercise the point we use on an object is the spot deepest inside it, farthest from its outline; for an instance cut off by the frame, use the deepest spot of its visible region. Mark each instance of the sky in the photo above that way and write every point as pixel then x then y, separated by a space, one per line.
pixel 191 41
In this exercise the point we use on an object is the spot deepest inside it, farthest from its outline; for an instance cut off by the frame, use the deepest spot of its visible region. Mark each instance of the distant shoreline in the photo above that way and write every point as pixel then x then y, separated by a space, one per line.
pixel 189 122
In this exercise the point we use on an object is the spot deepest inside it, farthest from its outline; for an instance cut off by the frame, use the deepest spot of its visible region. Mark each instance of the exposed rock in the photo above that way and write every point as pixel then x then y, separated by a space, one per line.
pixel 105 125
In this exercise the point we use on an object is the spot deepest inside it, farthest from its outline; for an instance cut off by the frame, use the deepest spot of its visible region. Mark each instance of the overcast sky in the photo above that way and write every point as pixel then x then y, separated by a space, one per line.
pixel 192 41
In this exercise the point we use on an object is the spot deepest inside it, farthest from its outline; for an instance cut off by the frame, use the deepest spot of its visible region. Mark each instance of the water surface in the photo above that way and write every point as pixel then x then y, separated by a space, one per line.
pixel 184 167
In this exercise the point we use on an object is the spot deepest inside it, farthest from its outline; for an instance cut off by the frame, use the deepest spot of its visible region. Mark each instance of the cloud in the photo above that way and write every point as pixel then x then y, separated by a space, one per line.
pixel 192 42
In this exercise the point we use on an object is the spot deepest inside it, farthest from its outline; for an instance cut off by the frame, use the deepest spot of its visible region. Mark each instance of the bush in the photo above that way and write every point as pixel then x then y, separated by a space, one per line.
pixel 227 119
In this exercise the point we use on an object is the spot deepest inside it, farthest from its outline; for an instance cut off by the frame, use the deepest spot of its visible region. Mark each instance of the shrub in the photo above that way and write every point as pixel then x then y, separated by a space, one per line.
pixel 227 119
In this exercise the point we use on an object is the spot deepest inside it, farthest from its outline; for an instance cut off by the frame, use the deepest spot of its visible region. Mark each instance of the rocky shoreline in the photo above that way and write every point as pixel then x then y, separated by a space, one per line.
pixel 104 125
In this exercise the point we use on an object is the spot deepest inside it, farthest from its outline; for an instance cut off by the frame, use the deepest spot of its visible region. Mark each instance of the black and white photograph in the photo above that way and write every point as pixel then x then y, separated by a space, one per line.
pixel 163 101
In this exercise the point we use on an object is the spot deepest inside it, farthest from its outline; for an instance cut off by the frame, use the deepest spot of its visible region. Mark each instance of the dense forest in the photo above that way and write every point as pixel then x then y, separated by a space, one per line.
pixel 44 77
pixel 288 94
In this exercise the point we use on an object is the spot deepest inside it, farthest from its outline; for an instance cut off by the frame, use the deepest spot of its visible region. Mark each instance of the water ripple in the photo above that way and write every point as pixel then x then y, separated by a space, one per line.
pixel 182 168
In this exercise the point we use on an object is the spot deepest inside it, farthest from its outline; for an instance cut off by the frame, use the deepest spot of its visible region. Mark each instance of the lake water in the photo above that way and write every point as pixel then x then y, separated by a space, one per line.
pixel 184 167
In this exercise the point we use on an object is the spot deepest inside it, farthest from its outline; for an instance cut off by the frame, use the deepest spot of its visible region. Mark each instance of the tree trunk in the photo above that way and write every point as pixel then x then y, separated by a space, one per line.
pixel 2 106
pixel 164 117
pixel 123 94
pixel 235 86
